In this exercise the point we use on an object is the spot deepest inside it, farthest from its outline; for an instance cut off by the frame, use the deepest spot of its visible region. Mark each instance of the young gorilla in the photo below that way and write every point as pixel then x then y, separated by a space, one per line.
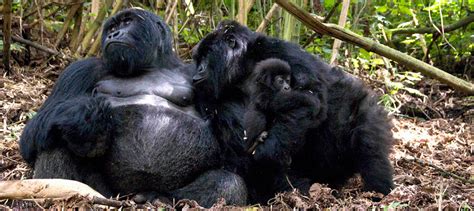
pixel 125 123
pixel 348 132
pixel 269 84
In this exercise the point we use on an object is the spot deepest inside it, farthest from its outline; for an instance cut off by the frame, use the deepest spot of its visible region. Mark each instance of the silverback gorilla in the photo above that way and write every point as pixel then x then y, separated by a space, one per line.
pixel 125 123
pixel 348 132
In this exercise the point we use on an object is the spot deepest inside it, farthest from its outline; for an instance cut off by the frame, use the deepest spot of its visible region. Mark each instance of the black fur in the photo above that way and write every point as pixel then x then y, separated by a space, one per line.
pixel 346 133
pixel 147 140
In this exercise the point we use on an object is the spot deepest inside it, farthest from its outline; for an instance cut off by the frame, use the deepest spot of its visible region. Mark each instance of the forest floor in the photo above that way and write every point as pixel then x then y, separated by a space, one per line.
pixel 433 156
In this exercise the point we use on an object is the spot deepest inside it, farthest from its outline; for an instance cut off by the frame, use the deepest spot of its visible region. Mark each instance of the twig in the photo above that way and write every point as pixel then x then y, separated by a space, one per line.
pixel 451 174
pixel 38 46
pixel 32 24
pixel 35 11
pixel 109 202
pixel 431 30
pixel 441 28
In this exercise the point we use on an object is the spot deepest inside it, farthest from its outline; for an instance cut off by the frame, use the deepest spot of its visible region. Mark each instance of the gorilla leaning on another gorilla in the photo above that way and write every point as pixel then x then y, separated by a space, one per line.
pixel 125 123
pixel 348 133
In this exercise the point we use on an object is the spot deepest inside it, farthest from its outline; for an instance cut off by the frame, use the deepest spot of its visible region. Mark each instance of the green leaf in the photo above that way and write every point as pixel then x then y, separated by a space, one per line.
pixel 381 9
pixel 378 61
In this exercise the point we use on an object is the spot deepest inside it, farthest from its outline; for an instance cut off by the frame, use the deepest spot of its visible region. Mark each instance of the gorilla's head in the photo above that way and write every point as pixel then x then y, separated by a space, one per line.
pixel 227 56
pixel 134 40
pixel 221 57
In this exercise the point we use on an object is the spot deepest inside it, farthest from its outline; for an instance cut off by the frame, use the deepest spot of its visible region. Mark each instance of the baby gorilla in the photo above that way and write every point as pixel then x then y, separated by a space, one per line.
pixel 272 77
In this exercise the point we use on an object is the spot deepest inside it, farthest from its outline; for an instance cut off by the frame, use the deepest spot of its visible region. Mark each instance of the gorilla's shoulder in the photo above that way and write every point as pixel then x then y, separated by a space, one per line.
pixel 90 64
pixel 78 76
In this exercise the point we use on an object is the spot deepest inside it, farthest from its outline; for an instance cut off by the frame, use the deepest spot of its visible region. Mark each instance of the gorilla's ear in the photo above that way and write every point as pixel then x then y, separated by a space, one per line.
pixel 264 78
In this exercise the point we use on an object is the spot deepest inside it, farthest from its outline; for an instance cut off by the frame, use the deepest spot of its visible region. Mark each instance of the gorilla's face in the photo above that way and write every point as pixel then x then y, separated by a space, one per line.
pixel 134 40
pixel 220 56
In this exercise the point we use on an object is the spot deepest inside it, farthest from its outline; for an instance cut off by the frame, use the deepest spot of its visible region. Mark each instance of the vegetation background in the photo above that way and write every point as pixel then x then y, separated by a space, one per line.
pixel 434 155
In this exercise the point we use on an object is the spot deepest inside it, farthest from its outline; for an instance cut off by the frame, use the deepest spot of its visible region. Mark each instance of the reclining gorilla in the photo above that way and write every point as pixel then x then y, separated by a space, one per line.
pixel 348 132
pixel 125 123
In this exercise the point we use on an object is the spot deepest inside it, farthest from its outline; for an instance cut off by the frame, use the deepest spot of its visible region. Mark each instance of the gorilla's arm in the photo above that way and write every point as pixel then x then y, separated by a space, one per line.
pixel 68 106
pixel 255 123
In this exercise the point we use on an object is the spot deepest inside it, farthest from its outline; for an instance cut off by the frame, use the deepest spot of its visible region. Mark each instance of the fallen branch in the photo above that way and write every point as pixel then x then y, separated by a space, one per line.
pixel 445 172
pixel 39 47
pixel 46 189
pixel 372 46
pixel 431 30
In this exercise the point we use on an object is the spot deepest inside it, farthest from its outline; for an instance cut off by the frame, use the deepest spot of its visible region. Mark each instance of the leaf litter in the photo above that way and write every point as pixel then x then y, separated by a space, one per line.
pixel 433 157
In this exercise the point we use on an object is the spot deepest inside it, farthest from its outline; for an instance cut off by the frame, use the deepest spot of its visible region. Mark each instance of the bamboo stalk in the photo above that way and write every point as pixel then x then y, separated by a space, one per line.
pixel 76 31
pixel 244 9
pixel 370 45
pixel 291 28
pixel 71 13
pixel 95 26
pixel 7 28
pixel 267 18
pixel 171 12
pixel 342 21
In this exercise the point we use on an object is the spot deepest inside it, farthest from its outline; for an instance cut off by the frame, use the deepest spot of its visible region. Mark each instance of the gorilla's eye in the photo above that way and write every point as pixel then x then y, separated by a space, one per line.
pixel 127 21
pixel 112 28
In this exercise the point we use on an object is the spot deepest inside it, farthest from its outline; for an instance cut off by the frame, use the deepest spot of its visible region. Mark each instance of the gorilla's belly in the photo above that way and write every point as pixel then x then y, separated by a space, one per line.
pixel 158 148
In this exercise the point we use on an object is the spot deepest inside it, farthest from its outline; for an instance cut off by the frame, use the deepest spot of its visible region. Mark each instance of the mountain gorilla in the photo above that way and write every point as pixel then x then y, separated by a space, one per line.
pixel 348 132
pixel 125 123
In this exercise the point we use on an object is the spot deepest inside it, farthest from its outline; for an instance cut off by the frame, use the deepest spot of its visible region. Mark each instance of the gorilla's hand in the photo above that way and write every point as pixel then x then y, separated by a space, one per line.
pixel 295 113
pixel 86 126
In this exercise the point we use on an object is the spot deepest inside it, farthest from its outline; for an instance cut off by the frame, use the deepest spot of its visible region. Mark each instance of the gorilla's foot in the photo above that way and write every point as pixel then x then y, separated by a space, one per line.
pixel 213 185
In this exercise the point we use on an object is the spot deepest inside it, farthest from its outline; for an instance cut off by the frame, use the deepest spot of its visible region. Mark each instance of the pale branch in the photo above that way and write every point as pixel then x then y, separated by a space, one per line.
pixel 38 46
pixel 45 189
pixel 372 46
pixel 39 190
pixel 431 30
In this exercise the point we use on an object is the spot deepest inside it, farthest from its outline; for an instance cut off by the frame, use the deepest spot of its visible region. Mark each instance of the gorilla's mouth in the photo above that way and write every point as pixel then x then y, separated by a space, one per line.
pixel 118 43
pixel 201 75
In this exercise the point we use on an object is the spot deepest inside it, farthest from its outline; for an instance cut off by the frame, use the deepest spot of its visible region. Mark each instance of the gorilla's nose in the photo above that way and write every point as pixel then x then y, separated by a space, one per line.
pixel 115 34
